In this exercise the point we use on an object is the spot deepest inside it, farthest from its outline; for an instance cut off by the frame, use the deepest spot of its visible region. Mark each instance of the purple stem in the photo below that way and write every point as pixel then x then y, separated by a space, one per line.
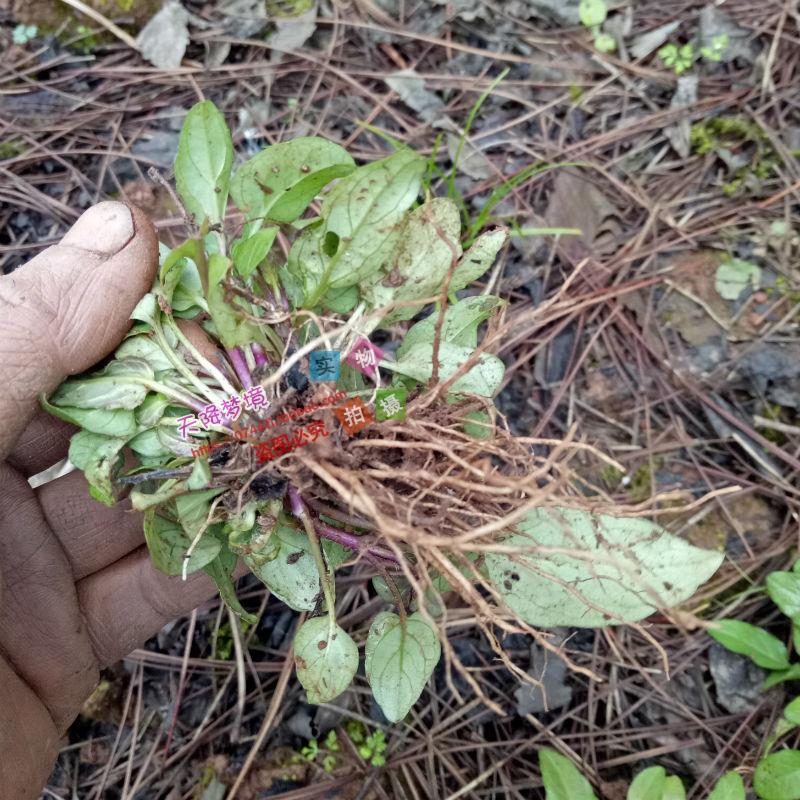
pixel 259 354
pixel 349 540
pixel 240 366
pixel 296 502
pixel 353 542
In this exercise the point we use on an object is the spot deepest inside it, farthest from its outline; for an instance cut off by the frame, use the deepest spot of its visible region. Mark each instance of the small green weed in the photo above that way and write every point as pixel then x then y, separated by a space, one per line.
pixel 371 747
pixel 23 34
pixel 682 57
pixel 777 775
pixel 563 781
pixel 729 135
pixel 593 14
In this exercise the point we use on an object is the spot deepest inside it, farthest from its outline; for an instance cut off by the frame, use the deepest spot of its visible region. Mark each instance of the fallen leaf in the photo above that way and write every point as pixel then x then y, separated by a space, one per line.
pixel 410 88
pixel 679 134
pixel 291 33
pixel 578 203
pixel 164 39
pixel 649 42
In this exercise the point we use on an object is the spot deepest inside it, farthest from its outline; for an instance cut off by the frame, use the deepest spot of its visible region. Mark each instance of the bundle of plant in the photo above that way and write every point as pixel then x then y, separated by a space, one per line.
pixel 249 415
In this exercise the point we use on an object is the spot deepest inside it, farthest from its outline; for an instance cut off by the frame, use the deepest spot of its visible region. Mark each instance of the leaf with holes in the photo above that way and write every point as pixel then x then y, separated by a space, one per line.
pixel 326 659
pixel 583 569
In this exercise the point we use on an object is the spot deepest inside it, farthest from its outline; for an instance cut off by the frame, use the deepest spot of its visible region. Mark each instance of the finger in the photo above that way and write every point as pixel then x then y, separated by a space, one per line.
pixel 128 602
pixel 92 535
pixel 70 306
pixel 44 442
pixel 42 633
pixel 29 740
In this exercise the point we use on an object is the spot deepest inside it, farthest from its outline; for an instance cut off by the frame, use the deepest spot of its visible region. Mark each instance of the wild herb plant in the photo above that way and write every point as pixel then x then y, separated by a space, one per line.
pixel 320 255
pixel 563 781
pixel 777 774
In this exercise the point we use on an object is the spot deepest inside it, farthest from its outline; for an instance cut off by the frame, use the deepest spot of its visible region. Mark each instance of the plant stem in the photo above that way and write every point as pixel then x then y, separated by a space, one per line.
pixel 240 366
pixel 326 579
pixel 353 542
pixel 259 354
pixel 200 358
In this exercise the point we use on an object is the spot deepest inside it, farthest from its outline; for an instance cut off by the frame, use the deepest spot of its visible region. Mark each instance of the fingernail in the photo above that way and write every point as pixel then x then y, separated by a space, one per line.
pixel 105 228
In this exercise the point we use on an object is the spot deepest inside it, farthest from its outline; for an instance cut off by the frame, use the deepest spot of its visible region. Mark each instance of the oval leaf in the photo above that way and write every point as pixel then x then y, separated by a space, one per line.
pixel 326 659
pixel 285 564
pixel 398 660
pixel 777 777
pixel 648 784
pixel 478 258
pixel 168 544
pixel 729 787
pixel 749 640
pixel 365 211
pixel 673 789
pixel 426 246
pixel 784 590
pixel 606 569
pixel 279 182
pixel 483 379
pixel 561 778
pixel 203 163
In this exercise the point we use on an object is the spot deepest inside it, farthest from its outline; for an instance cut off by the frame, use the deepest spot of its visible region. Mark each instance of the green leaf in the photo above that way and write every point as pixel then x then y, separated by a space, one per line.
pixel 152 409
pixel 729 787
pixel 168 544
pixel 734 276
pixel 341 301
pixel 221 572
pixel 171 270
pixel 460 324
pixel 233 328
pixel 561 778
pixel 101 465
pixel 777 777
pixel 779 676
pixel 203 163
pixel 483 379
pixel 218 266
pixel 648 784
pixel 148 444
pixel 784 590
pixel 119 423
pixel 478 258
pixel 201 475
pixel 592 12
pixel 336 554
pixel 605 43
pixel 673 789
pixel 285 564
pixel 193 509
pixel 792 711
pixel 279 182
pixel 145 348
pixel 326 659
pixel 147 310
pixel 83 445
pixel 249 253
pixel 118 386
pixel 426 245
pixel 749 640
pixel 398 660
pixel 365 210
pixel 600 570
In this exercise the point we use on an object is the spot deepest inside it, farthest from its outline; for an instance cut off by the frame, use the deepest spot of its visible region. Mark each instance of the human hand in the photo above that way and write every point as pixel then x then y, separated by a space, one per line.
pixel 77 590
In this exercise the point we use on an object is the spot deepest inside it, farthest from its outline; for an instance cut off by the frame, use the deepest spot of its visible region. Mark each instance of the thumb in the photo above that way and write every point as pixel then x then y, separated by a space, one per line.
pixel 69 307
